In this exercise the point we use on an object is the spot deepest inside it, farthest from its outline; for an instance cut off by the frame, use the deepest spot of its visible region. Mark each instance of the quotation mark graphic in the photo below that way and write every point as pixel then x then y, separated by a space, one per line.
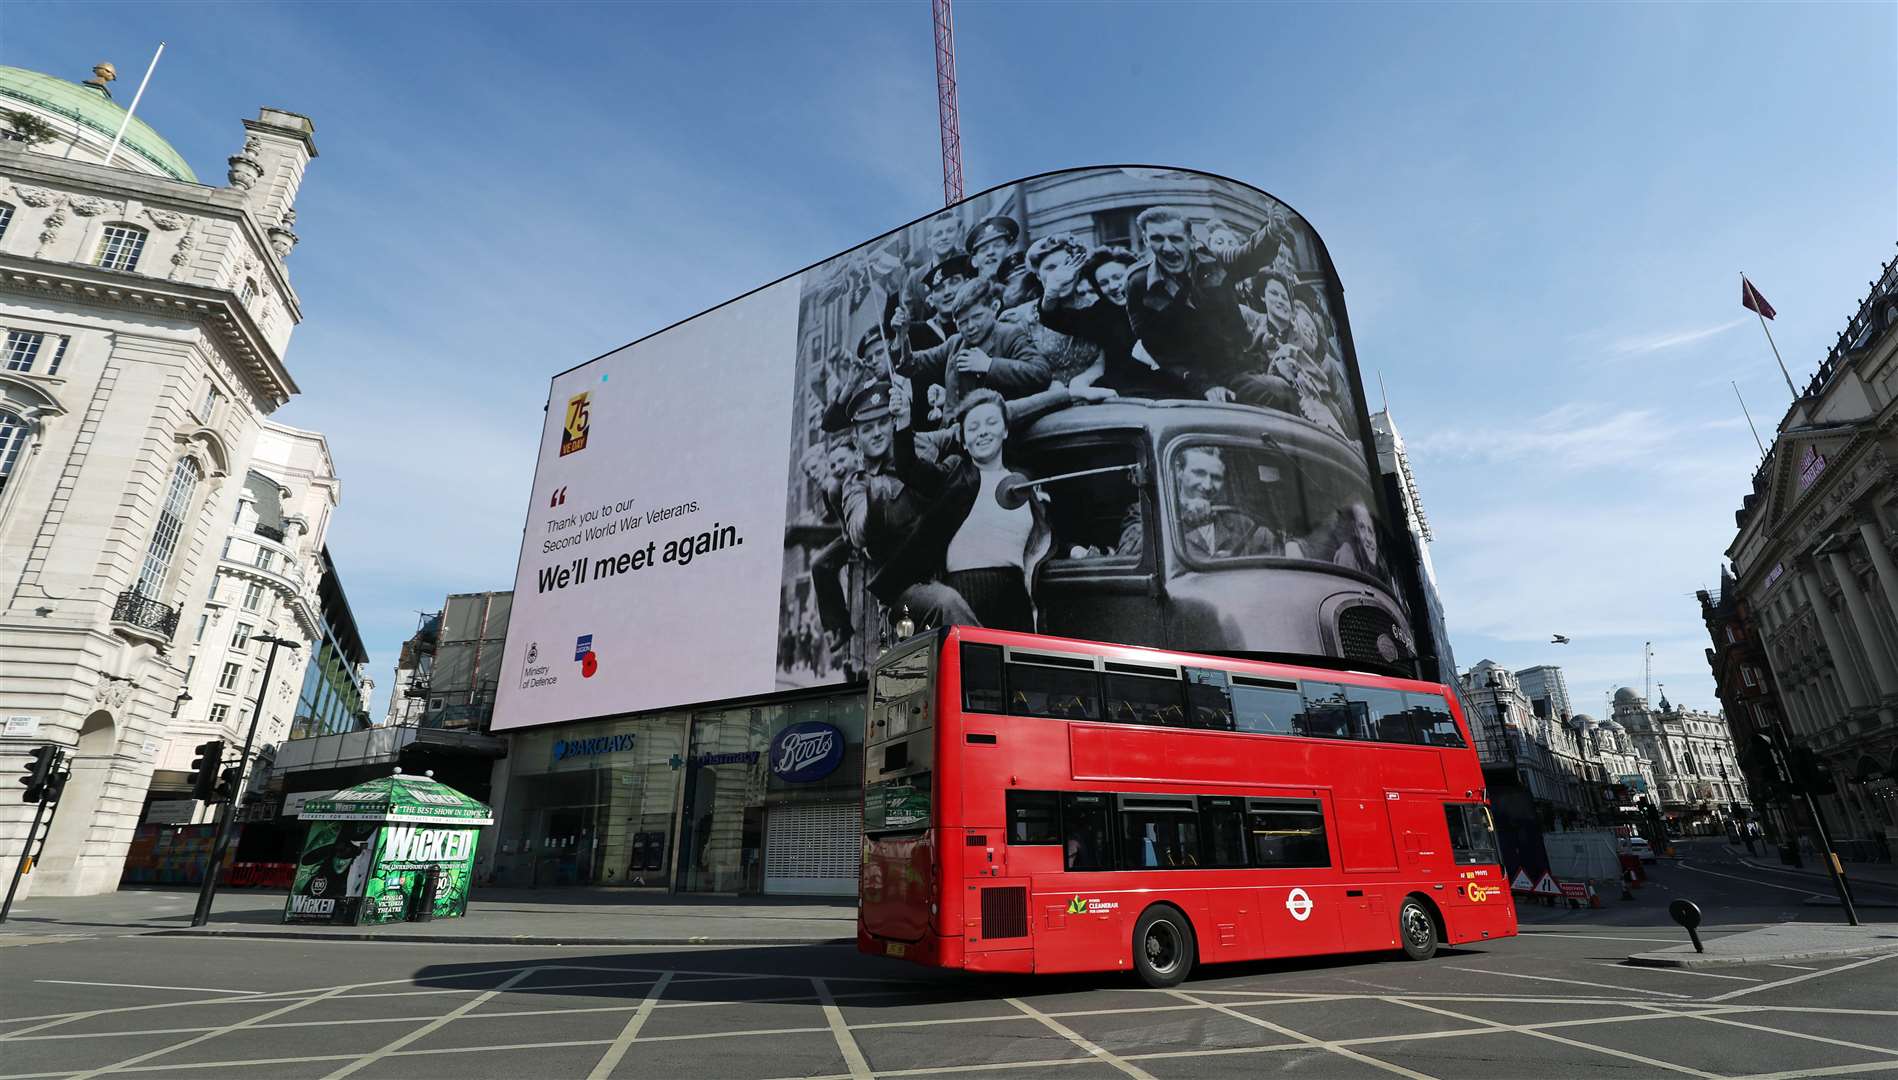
pixel 560 498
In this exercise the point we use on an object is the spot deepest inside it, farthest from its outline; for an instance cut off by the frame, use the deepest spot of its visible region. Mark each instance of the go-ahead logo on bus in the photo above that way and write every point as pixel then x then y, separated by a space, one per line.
pixel 806 752
pixel 573 434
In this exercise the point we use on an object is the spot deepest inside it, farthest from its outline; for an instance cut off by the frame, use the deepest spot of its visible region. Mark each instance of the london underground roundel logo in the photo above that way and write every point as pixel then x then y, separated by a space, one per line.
pixel 1298 903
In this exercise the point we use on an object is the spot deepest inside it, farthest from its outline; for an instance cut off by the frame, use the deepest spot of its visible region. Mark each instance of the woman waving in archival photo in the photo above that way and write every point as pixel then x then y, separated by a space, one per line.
pixel 981 533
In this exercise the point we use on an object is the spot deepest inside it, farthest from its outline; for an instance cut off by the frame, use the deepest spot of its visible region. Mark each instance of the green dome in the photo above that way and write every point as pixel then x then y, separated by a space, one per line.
pixel 94 110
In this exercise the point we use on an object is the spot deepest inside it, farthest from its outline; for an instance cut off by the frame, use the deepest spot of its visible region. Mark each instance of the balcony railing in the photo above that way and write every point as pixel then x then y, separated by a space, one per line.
pixel 418 684
pixel 268 532
pixel 144 613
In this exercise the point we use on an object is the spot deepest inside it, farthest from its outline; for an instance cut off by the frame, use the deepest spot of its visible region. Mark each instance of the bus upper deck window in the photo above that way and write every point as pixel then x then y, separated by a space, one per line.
pixel 981 678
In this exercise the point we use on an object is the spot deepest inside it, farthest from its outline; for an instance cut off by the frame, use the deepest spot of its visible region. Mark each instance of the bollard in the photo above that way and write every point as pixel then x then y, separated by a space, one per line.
pixel 1627 884
pixel 1687 913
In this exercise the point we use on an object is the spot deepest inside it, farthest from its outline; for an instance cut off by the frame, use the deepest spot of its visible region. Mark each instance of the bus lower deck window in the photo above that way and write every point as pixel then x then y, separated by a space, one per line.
pixel 1287 833
pixel 1158 836
pixel 1089 840
pixel 1034 817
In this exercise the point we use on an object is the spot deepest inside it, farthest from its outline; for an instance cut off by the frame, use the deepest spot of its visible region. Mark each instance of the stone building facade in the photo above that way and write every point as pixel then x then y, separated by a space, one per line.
pixel 144 317
pixel 1695 777
pixel 1813 561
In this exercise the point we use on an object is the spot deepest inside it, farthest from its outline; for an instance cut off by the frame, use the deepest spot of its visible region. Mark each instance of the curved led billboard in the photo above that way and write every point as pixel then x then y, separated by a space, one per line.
pixel 1110 403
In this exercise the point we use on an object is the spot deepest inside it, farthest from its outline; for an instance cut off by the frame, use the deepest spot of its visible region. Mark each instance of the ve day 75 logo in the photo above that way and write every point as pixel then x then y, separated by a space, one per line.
pixel 573 434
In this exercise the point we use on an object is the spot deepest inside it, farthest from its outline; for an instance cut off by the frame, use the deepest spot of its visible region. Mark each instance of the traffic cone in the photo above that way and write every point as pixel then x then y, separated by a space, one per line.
pixel 1627 884
pixel 1594 898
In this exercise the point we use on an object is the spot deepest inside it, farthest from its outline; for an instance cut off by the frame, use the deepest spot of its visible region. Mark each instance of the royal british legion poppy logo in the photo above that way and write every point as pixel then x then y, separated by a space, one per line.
pixel 573 436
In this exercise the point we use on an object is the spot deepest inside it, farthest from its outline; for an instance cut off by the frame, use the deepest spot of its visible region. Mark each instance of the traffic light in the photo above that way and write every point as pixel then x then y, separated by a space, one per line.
pixel 204 770
pixel 39 772
pixel 1762 766
pixel 1810 773
pixel 227 783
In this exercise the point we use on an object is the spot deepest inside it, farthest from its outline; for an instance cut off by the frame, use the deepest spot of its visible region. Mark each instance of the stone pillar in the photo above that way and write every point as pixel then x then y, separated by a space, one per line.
pixel 1869 639
pixel 1874 537
pixel 1855 694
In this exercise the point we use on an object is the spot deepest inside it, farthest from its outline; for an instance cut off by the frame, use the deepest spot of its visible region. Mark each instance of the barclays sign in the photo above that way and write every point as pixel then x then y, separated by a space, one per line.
pixel 602 744
pixel 806 752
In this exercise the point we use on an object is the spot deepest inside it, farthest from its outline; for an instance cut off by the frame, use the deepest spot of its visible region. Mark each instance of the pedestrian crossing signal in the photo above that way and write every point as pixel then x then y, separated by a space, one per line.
pixel 38 780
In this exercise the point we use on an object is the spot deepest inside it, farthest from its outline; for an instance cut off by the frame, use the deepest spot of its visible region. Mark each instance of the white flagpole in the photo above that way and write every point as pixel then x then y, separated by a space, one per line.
pixel 1747 285
pixel 1749 418
pixel 125 123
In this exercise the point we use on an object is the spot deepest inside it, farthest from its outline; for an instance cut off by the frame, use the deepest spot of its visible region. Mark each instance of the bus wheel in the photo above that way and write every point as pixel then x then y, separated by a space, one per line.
pixel 1417 930
pixel 1163 947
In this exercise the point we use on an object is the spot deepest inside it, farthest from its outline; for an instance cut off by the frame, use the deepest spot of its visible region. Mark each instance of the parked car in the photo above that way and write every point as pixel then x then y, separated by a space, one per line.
pixel 1638 847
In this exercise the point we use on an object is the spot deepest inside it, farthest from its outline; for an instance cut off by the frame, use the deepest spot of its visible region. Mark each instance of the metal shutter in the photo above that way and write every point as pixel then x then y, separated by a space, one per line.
pixel 813 848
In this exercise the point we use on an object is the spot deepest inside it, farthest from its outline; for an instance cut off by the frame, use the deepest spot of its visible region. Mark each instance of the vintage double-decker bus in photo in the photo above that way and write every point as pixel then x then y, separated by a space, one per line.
pixel 1040 804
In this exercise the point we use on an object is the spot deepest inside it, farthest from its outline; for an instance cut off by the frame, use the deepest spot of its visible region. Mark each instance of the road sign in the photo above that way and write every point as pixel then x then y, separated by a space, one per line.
pixel 1575 890
pixel 1521 882
pixel 1546 886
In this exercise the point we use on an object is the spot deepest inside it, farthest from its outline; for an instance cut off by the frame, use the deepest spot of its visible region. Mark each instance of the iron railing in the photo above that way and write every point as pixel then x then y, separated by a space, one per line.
pixel 145 613
pixel 268 532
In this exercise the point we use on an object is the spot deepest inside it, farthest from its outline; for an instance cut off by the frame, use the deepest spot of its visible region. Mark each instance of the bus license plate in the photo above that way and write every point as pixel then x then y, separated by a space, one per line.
pixel 894 948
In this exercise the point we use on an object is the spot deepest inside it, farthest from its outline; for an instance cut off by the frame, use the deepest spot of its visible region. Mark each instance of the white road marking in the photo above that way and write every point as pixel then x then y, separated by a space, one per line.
pixel 1750 881
pixel 1677 971
pixel 1535 1032
pixel 1075 1037
pixel 1711 1019
pixel 432 1026
pixel 611 1059
pixel 1834 1070
pixel 1570 982
pixel 1801 978
pixel 1651 940
pixel 846 1042
pixel 147 986
pixel 1794 967
pixel 1309 1040
pixel 212 1034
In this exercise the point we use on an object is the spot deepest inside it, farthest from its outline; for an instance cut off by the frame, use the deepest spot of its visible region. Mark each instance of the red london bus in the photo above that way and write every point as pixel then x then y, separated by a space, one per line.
pixel 1040 804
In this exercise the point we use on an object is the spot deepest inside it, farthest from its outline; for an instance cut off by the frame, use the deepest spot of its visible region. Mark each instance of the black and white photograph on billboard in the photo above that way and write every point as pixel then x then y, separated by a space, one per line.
pixel 1113 404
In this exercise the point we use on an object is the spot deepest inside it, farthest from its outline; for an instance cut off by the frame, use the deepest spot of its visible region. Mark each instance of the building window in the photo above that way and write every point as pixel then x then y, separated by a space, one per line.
pixel 1746 676
pixel 171 524
pixel 203 621
pixel 120 246
pixel 264 557
pixel 250 291
pixel 12 440
pixel 227 680
pixel 59 354
pixel 190 662
pixel 240 637
pixel 6 217
pixel 253 596
pixel 211 398
pixel 23 347
pixel 220 713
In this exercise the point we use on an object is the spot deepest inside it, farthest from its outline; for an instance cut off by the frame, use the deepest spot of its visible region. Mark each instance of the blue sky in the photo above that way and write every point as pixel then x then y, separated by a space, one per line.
pixel 1539 213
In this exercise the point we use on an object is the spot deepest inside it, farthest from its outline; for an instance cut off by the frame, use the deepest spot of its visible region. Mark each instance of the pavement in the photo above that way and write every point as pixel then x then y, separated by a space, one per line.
pixel 495 917
pixel 1774 944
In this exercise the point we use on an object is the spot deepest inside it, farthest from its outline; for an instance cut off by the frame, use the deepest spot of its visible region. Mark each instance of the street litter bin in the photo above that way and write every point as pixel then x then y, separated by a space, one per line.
pixel 422 901
pixel 1789 854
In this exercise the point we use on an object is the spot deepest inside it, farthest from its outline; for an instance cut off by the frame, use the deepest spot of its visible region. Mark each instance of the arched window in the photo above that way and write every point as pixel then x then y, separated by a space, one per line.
pixel 120 246
pixel 13 432
pixel 171 525
pixel 6 218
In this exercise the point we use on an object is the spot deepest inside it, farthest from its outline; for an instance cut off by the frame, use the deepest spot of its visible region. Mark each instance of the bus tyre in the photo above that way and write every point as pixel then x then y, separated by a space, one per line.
pixel 1163 947
pixel 1416 930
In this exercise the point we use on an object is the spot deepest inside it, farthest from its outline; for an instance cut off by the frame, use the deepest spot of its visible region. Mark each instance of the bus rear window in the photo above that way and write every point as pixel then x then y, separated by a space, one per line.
pixel 981 678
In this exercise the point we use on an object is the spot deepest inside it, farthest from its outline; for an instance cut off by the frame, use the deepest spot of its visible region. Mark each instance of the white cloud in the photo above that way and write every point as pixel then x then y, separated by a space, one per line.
pixel 1572 436
pixel 1641 344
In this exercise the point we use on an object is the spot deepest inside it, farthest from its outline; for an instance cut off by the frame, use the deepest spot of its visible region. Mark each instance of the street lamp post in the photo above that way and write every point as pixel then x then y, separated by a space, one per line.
pixel 209 890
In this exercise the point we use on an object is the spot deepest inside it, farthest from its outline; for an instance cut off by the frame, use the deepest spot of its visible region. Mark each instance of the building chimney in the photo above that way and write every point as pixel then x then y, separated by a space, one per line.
pixel 277 147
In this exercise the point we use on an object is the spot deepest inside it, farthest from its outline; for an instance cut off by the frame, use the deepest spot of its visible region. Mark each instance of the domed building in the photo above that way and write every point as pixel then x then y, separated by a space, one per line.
pixel 1694 776
pixel 153 520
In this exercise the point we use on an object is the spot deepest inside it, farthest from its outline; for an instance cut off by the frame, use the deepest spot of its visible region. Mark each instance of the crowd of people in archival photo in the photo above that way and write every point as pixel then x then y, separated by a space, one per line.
pixel 947 339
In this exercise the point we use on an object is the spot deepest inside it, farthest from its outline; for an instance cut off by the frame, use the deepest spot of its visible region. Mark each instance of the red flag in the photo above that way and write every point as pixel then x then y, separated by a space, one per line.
pixel 1751 299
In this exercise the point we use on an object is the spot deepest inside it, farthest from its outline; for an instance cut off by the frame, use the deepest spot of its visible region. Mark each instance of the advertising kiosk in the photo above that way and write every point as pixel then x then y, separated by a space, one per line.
pixel 387 850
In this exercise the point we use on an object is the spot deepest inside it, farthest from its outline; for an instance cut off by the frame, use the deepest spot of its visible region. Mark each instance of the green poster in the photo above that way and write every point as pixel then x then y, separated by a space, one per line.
pixel 332 872
pixel 405 853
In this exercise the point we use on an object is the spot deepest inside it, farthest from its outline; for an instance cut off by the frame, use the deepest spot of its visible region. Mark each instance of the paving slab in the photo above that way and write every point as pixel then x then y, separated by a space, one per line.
pixel 1777 944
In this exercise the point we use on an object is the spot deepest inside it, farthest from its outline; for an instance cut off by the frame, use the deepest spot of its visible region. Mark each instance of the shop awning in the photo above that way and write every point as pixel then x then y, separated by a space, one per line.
pixel 400 797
